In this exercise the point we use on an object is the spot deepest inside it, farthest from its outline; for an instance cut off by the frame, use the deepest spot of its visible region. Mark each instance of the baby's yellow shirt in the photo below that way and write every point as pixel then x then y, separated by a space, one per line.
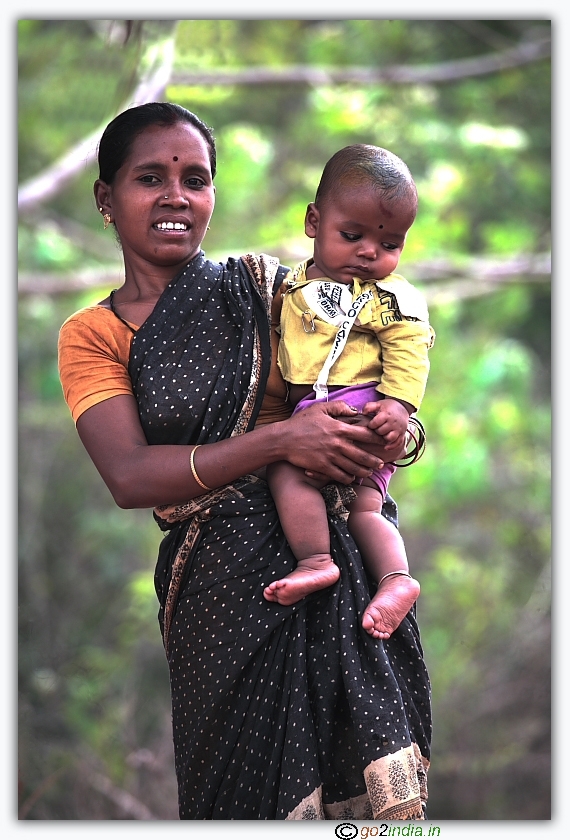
pixel 388 344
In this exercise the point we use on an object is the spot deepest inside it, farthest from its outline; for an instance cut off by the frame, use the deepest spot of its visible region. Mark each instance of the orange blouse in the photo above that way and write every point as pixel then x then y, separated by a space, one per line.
pixel 93 350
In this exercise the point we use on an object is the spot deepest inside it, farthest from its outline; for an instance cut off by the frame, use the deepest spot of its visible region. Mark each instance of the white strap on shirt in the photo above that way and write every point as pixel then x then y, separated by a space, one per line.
pixel 333 303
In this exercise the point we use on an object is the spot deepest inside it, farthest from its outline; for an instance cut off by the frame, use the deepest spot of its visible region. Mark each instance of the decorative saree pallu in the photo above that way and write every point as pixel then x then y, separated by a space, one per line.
pixel 278 712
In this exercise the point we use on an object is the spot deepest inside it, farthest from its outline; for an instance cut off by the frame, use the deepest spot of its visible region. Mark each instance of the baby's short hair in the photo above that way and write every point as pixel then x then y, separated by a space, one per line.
pixel 365 165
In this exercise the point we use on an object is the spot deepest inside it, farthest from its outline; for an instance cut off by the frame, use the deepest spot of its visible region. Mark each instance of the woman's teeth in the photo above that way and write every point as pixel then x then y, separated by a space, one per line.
pixel 171 226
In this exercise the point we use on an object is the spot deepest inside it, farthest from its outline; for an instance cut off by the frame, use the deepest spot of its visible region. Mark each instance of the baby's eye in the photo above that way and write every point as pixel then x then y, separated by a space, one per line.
pixel 389 246
pixel 351 237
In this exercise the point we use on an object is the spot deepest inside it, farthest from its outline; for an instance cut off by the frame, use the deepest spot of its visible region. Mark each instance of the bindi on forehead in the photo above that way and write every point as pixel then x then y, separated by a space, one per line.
pixel 175 158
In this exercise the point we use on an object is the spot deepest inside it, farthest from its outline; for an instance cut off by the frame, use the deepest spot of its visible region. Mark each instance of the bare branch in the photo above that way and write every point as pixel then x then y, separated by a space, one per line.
pixel 54 179
pixel 447 71
pixel 61 284
pixel 444 279
pixel 479 277
pixel 37 794
pixel 536 267
pixel 131 806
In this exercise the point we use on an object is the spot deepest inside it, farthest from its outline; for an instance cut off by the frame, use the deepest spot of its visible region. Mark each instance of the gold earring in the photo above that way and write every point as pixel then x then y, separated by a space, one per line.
pixel 106 221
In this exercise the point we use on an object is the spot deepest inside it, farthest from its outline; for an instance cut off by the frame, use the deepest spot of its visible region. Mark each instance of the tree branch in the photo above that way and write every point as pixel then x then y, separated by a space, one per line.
pixel 131 806
pixel 443 279
pixel 42 283
pixel 55 178
pixel 447 71
pixel 478 277
pixel 484 269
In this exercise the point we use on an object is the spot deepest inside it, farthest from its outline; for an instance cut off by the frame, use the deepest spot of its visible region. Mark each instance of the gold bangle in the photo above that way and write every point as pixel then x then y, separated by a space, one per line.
pixel 194 473
pixel 399 572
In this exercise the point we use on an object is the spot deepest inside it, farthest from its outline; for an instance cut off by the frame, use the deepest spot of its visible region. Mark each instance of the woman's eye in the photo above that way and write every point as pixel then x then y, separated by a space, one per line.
pixel 149 179
pixel 195 183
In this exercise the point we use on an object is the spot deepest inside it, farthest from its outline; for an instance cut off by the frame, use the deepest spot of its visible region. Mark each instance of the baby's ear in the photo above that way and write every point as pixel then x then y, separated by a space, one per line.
pixel 312 220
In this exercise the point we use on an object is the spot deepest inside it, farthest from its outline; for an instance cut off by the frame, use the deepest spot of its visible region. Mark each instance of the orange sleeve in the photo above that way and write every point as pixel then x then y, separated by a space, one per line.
pixel 93 357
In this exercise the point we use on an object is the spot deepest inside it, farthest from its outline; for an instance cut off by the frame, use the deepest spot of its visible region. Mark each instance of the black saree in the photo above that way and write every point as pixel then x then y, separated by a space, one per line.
pixel 278 712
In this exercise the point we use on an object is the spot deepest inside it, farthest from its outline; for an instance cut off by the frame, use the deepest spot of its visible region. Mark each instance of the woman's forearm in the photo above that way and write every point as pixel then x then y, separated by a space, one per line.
pixel 155 475
pixel 141 476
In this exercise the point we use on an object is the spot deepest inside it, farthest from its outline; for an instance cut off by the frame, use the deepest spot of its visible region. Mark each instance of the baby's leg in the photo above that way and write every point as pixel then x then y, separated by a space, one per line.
pixel 383 551
pixel 303 517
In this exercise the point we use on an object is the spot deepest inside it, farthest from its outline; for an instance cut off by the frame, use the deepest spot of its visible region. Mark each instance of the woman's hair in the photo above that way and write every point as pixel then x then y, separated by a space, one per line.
pixel 360 165
pixel 117 139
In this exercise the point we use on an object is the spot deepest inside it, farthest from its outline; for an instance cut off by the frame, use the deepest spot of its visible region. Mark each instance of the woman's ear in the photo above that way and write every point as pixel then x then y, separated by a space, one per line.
pixel 312 220
pixel 102 193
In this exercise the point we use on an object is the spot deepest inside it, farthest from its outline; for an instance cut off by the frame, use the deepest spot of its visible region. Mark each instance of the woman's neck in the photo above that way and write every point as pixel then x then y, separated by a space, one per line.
pixel 135 300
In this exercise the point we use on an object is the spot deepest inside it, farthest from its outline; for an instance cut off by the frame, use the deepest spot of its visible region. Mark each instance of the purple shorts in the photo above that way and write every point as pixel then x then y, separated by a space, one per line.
pixel 357 396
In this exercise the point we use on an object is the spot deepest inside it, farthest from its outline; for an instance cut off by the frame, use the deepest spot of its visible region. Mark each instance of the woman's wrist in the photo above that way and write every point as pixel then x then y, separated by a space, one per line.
pixel 220 463
pixel 194 471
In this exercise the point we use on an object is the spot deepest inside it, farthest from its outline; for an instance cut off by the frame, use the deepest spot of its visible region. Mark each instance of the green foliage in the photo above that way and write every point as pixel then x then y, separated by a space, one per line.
pixel 474 511
pixel 482 493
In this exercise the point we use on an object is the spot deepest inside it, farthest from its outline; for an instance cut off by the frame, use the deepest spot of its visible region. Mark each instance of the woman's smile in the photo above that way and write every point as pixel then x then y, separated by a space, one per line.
pixel 171 226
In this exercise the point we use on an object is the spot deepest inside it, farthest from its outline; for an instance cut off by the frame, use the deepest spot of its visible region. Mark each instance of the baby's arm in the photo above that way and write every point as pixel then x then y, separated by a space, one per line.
pixel 399 376
pixel 405 336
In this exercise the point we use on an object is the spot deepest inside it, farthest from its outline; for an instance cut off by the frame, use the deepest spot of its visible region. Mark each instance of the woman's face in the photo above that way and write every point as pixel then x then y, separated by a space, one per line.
pixel 162 198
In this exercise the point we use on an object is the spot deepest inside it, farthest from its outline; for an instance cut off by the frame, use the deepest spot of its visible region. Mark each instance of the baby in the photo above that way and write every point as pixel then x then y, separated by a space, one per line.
pixel 350 329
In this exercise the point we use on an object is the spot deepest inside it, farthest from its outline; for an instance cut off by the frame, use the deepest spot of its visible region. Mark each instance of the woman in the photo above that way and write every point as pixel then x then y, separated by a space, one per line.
pixel 279 712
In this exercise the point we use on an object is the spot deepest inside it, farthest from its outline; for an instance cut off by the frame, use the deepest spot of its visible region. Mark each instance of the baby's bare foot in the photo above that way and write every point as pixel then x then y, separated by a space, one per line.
pixel 313 573
pixel 390 605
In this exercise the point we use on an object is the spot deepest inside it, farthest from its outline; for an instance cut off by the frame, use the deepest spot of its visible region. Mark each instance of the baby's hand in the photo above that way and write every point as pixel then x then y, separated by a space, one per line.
pixel 390 419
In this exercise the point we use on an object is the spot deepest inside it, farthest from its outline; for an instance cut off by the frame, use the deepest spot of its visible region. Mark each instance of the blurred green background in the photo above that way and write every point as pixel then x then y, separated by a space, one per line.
pixel 466 104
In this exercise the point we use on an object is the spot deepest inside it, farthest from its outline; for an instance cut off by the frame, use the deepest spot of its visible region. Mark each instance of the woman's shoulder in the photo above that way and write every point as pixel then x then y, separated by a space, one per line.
pixel 96 327
pixel 93 316
pixel 93 356
pixel 97 318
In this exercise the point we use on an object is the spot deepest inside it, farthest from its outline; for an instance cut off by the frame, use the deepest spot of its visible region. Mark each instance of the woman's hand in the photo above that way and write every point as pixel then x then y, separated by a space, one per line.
pixel 325 442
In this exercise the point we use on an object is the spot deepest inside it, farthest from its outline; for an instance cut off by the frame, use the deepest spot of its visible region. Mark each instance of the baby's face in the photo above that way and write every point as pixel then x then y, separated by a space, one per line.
pixel 358 233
